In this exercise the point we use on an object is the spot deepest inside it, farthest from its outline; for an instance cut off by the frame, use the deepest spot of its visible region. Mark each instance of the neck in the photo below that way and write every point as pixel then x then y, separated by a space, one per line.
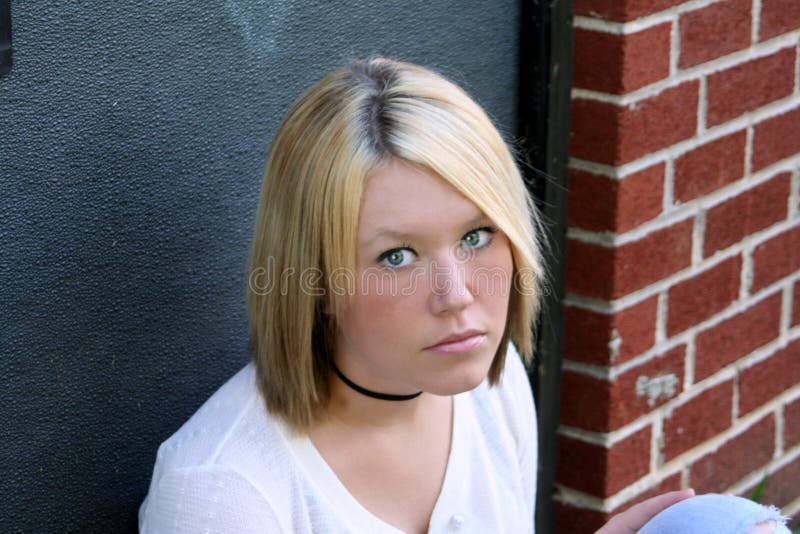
pixel 390 397
pixel 355 409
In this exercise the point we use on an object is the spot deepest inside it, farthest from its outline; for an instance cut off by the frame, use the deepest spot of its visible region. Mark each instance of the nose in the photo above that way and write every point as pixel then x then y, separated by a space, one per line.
pixel 451 291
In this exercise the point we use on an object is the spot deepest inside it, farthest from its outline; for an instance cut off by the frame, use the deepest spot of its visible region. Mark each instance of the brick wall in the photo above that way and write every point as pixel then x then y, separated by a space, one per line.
pixel 682 350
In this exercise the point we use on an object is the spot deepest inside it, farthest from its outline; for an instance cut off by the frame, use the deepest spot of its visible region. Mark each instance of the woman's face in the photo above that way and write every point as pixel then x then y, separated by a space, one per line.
pixel 430 266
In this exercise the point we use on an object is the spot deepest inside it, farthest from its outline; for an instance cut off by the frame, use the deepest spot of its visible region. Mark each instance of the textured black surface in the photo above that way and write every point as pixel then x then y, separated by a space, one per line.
pixel 132 142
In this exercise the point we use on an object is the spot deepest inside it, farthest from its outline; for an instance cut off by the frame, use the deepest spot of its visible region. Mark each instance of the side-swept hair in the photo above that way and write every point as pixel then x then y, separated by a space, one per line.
pixel 335 135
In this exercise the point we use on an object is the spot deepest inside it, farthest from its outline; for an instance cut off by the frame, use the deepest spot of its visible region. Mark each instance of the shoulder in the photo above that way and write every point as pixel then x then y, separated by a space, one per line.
pixel 512 393
pixel 207 471
pixel 208 498
pixel 216 426
pixel 514 384
pixel 505 422
pixel 505 412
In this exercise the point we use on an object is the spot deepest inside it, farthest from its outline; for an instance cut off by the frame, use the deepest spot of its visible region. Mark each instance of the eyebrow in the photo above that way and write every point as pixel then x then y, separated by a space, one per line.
pixel 384 232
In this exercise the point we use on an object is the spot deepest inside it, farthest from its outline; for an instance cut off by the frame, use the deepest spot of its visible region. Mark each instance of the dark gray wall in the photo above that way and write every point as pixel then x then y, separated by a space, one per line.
pixel 132 140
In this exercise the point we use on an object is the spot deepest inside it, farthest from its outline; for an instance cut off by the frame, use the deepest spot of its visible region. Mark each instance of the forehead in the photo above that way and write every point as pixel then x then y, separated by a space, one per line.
pixel 400 199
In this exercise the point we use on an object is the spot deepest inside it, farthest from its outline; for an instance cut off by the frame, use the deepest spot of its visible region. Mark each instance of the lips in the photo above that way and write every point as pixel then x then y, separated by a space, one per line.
pixel 459 342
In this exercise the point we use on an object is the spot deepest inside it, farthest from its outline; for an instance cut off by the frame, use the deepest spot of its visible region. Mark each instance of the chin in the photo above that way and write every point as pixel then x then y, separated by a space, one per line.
pixel 464 377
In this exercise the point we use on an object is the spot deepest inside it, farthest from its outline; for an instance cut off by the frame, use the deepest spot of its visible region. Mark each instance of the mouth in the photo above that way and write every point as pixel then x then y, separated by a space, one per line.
pixel 458 343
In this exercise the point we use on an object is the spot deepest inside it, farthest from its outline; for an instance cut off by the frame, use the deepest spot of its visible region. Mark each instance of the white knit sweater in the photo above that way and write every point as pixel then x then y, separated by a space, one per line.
pixel 234 468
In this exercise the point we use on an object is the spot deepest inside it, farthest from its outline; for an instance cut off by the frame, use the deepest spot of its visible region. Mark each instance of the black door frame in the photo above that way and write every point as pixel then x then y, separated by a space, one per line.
pixel 6 58
pixel 544 128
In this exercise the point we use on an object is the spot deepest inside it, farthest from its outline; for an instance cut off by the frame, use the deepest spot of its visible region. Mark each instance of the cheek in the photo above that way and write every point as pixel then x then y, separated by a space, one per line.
pixel 381 307
pixel 493 276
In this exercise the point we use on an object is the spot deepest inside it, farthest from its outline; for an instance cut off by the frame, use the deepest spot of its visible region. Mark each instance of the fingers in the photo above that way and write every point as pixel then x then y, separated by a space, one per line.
pixel 765 527
pixel 649 508
pixel 635 517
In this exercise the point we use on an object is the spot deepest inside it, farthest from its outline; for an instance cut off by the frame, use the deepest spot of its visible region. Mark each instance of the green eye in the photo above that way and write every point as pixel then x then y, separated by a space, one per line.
pixel 397 257
pixel 479 237
pixel 472 238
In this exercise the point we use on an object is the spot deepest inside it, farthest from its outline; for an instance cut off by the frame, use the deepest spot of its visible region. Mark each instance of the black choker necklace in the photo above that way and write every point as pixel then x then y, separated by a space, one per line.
pixel 374 394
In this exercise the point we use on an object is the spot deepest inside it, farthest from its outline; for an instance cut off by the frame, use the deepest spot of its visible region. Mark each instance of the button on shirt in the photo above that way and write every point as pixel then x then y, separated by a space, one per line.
pixel 456 522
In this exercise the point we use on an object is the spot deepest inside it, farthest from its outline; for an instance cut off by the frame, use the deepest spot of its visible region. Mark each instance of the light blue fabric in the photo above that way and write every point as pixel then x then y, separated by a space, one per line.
pixel 714 514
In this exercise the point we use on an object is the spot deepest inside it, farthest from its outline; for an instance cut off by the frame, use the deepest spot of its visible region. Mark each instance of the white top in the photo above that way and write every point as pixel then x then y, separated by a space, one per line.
pixel 234 468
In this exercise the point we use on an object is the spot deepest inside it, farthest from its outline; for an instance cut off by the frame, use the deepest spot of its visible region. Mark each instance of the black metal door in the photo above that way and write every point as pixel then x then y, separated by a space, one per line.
pixel 132 141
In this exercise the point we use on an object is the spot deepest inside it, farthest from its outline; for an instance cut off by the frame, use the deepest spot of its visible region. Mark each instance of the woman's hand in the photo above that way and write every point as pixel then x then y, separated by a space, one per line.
pixel 634 518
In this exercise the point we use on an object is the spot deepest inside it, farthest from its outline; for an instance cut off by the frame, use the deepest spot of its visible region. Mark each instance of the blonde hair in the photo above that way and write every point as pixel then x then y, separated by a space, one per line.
pixel 335 135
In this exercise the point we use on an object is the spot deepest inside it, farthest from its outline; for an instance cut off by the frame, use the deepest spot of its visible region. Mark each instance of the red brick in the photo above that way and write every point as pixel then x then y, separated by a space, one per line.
pixel 627 461
pixel 571 519
pixel 622 10
pixel 671 483
pixel 709 167
pixel 607 273
pixel 599 471
pixel 590 270
pixel 619 64
pixel 775 258
pixel 714 31
pixel 769 378
pixel 796 305
pixel 749 212
pixel 684 430
pixel 592 201
pixel 749 86
pixel 602 406
pixel 776 138
pixel 783 486
pixel 612 134
pixel 791 425
pixel 635 328
pixel 601 204
pixel 735 459
pixel 653 257
pixel 587 334
pixel 777 17
pixel 595 134
pixel 585 401
pixel 697 299
pixel 628 402
pixel 738 336
pixel 640 197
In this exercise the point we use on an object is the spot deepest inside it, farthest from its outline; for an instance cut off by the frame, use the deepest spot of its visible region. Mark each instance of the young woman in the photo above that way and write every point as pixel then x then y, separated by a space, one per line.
pixel 395 276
